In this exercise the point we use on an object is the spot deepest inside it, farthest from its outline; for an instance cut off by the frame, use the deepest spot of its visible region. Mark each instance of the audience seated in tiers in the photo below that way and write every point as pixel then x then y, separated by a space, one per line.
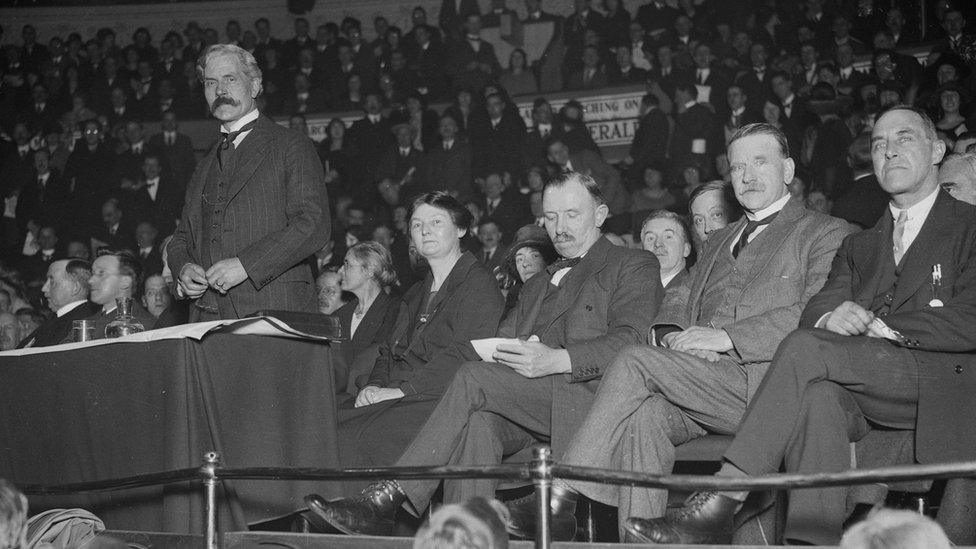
pixel 80 171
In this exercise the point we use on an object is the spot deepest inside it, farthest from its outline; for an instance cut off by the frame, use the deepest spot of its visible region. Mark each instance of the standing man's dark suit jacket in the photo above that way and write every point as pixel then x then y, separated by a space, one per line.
pixel 604 303
pixel 941 339
pixel 276 216
pixel 58 329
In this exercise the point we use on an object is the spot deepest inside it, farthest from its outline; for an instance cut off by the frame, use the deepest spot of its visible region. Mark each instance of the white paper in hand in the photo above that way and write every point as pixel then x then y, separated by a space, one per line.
pixel 486 347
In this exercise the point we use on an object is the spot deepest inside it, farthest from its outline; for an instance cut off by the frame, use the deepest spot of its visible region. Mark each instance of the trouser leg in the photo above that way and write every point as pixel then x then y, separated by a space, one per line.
pixel 650 400
pixel 813 393
pixel 477 386
pixel 487 439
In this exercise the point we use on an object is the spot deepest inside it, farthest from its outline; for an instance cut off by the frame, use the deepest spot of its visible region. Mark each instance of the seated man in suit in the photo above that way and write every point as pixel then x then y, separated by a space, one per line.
pixel 665 235
pixel 712 343
pixel 957 175
pixel 116 274
pixel 598 298
pixel 887 342
pixel 493 252
pixel 66 290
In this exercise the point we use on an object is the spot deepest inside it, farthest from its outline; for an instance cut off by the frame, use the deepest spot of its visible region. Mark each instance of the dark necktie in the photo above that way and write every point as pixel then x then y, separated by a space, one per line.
pixel 227 142
pixel 563 264
pixel 751 227
pixel 487 256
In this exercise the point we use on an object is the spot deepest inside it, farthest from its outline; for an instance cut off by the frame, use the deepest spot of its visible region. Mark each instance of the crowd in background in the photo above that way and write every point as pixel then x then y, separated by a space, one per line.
pixel 78 171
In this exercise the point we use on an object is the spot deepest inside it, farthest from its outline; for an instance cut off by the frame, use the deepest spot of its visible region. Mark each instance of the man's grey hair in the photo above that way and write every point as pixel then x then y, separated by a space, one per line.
pixel 928 126
pixel 969 158
pixel 248 64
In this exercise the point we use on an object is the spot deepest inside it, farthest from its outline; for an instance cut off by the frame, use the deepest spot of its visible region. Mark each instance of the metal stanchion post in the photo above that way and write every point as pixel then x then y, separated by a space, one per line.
pixel 542 478
pixel 211 460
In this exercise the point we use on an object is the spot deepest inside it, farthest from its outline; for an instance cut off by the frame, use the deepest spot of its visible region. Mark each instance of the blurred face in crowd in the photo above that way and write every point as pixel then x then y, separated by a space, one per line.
pixel 133 132
pixel 42 162
pixel 818 202
pixel 949 100
pixel 759 171
pixel 384 236
pixel 757 54
pixel 653 179
pixel 107 282
pixel 230 92
pixel 946 73
pixel 572 217
pixel 157 298
pixel 528 261
pixel 78 250
pixel 954 22
pixel 957 175
pixel 330 292
pixel 47 238
pixel 884 66
pixel 117 97
pixel 495 107
pixel 489 235
pixel 447 129
pixel 434 233
pixel 404 135
pixel 703 56
pixel 111 214
pixel 59 288
pixel 21 135
pixel 708 214
pixel 145 235
pixel 150 167
pixel 372 104
pixel 904 158
pixel 494 186
pixel 782 87
pixel 665 238
pixel 473 25
pixel 736 97
pixel 9 331
pixel 808 55
pixel 558 153
pixel 845 56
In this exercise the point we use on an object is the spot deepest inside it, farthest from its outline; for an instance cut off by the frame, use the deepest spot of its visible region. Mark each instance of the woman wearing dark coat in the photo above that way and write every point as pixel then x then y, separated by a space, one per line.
pixel 458 301
pixel 367 273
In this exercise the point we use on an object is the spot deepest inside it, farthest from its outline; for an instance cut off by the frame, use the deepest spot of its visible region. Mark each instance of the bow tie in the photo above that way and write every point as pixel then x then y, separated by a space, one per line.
pixel 229 138
pixel 562 264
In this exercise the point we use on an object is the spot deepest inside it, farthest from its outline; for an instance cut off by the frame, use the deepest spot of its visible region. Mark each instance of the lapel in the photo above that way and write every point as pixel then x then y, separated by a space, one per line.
pixel 772 240
pixel 870 259
pixel 249 156
pixel 371 320
pixel 575 280
pixel 917 262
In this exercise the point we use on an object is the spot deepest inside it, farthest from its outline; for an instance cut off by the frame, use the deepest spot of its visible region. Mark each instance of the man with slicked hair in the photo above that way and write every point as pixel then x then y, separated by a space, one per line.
pixel 255 208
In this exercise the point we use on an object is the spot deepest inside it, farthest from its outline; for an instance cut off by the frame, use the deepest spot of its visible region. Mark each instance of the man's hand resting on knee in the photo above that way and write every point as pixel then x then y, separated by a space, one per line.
pixel 705 343
pixel 850 319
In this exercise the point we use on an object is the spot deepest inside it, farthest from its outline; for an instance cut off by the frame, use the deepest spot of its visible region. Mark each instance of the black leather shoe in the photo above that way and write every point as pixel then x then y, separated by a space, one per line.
pixel 370 514
pixel 706 517
pixel 523 513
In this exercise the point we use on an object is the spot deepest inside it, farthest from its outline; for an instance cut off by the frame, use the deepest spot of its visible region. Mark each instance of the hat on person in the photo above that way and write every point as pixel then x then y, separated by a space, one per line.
pixel 533 236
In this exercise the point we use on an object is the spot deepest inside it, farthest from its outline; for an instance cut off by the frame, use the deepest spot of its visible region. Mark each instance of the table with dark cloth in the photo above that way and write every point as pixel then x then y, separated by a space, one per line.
pixel 132 408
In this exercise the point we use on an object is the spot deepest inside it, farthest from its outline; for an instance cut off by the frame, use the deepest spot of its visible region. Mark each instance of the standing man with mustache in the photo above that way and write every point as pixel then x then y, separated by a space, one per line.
pixel 255 208
pixel 712 342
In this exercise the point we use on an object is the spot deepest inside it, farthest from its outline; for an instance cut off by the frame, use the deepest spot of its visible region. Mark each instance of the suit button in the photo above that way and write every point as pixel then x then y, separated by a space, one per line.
pixel 215 225
pixel 882 314
pixel 213 240
pixel 888 298
pixel 958 369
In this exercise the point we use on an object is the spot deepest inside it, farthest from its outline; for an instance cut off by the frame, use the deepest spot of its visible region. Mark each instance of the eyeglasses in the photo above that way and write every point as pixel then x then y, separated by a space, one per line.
pixel 92 132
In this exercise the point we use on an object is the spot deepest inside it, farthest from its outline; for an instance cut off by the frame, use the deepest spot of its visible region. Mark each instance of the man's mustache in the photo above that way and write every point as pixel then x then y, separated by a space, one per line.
pixel 224 100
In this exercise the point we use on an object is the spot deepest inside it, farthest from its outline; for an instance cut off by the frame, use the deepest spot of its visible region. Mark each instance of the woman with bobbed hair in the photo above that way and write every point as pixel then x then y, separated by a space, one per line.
pixel 437 318
pixel 367 272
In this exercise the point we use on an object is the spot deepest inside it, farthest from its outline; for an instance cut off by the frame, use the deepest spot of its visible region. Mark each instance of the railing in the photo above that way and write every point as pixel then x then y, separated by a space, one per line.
pixel 540 471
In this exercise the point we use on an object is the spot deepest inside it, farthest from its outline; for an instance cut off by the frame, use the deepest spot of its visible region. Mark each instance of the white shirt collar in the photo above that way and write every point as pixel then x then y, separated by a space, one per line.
pixel 738 111
pixel 667 278
pixel 690 104
pixel 769 210
pixel 153 181
pixel 919 211
pixel 241 122
pixel 789 100
pixel 65 309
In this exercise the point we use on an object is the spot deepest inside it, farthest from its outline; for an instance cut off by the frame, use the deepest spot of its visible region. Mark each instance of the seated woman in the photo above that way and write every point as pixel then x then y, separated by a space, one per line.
pixel 367 272
pixel 530 253
pixel 458 301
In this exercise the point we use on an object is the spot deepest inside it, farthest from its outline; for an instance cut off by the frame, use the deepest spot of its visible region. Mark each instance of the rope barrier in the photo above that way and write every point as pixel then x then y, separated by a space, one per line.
pixel 526 471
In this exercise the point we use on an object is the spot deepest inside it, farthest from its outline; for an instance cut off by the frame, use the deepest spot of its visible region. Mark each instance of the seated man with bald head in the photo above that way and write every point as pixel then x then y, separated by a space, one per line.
pixel 66 290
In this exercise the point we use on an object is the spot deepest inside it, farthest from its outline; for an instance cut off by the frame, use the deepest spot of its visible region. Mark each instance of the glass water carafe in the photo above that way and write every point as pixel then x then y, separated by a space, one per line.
pixel 123 324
